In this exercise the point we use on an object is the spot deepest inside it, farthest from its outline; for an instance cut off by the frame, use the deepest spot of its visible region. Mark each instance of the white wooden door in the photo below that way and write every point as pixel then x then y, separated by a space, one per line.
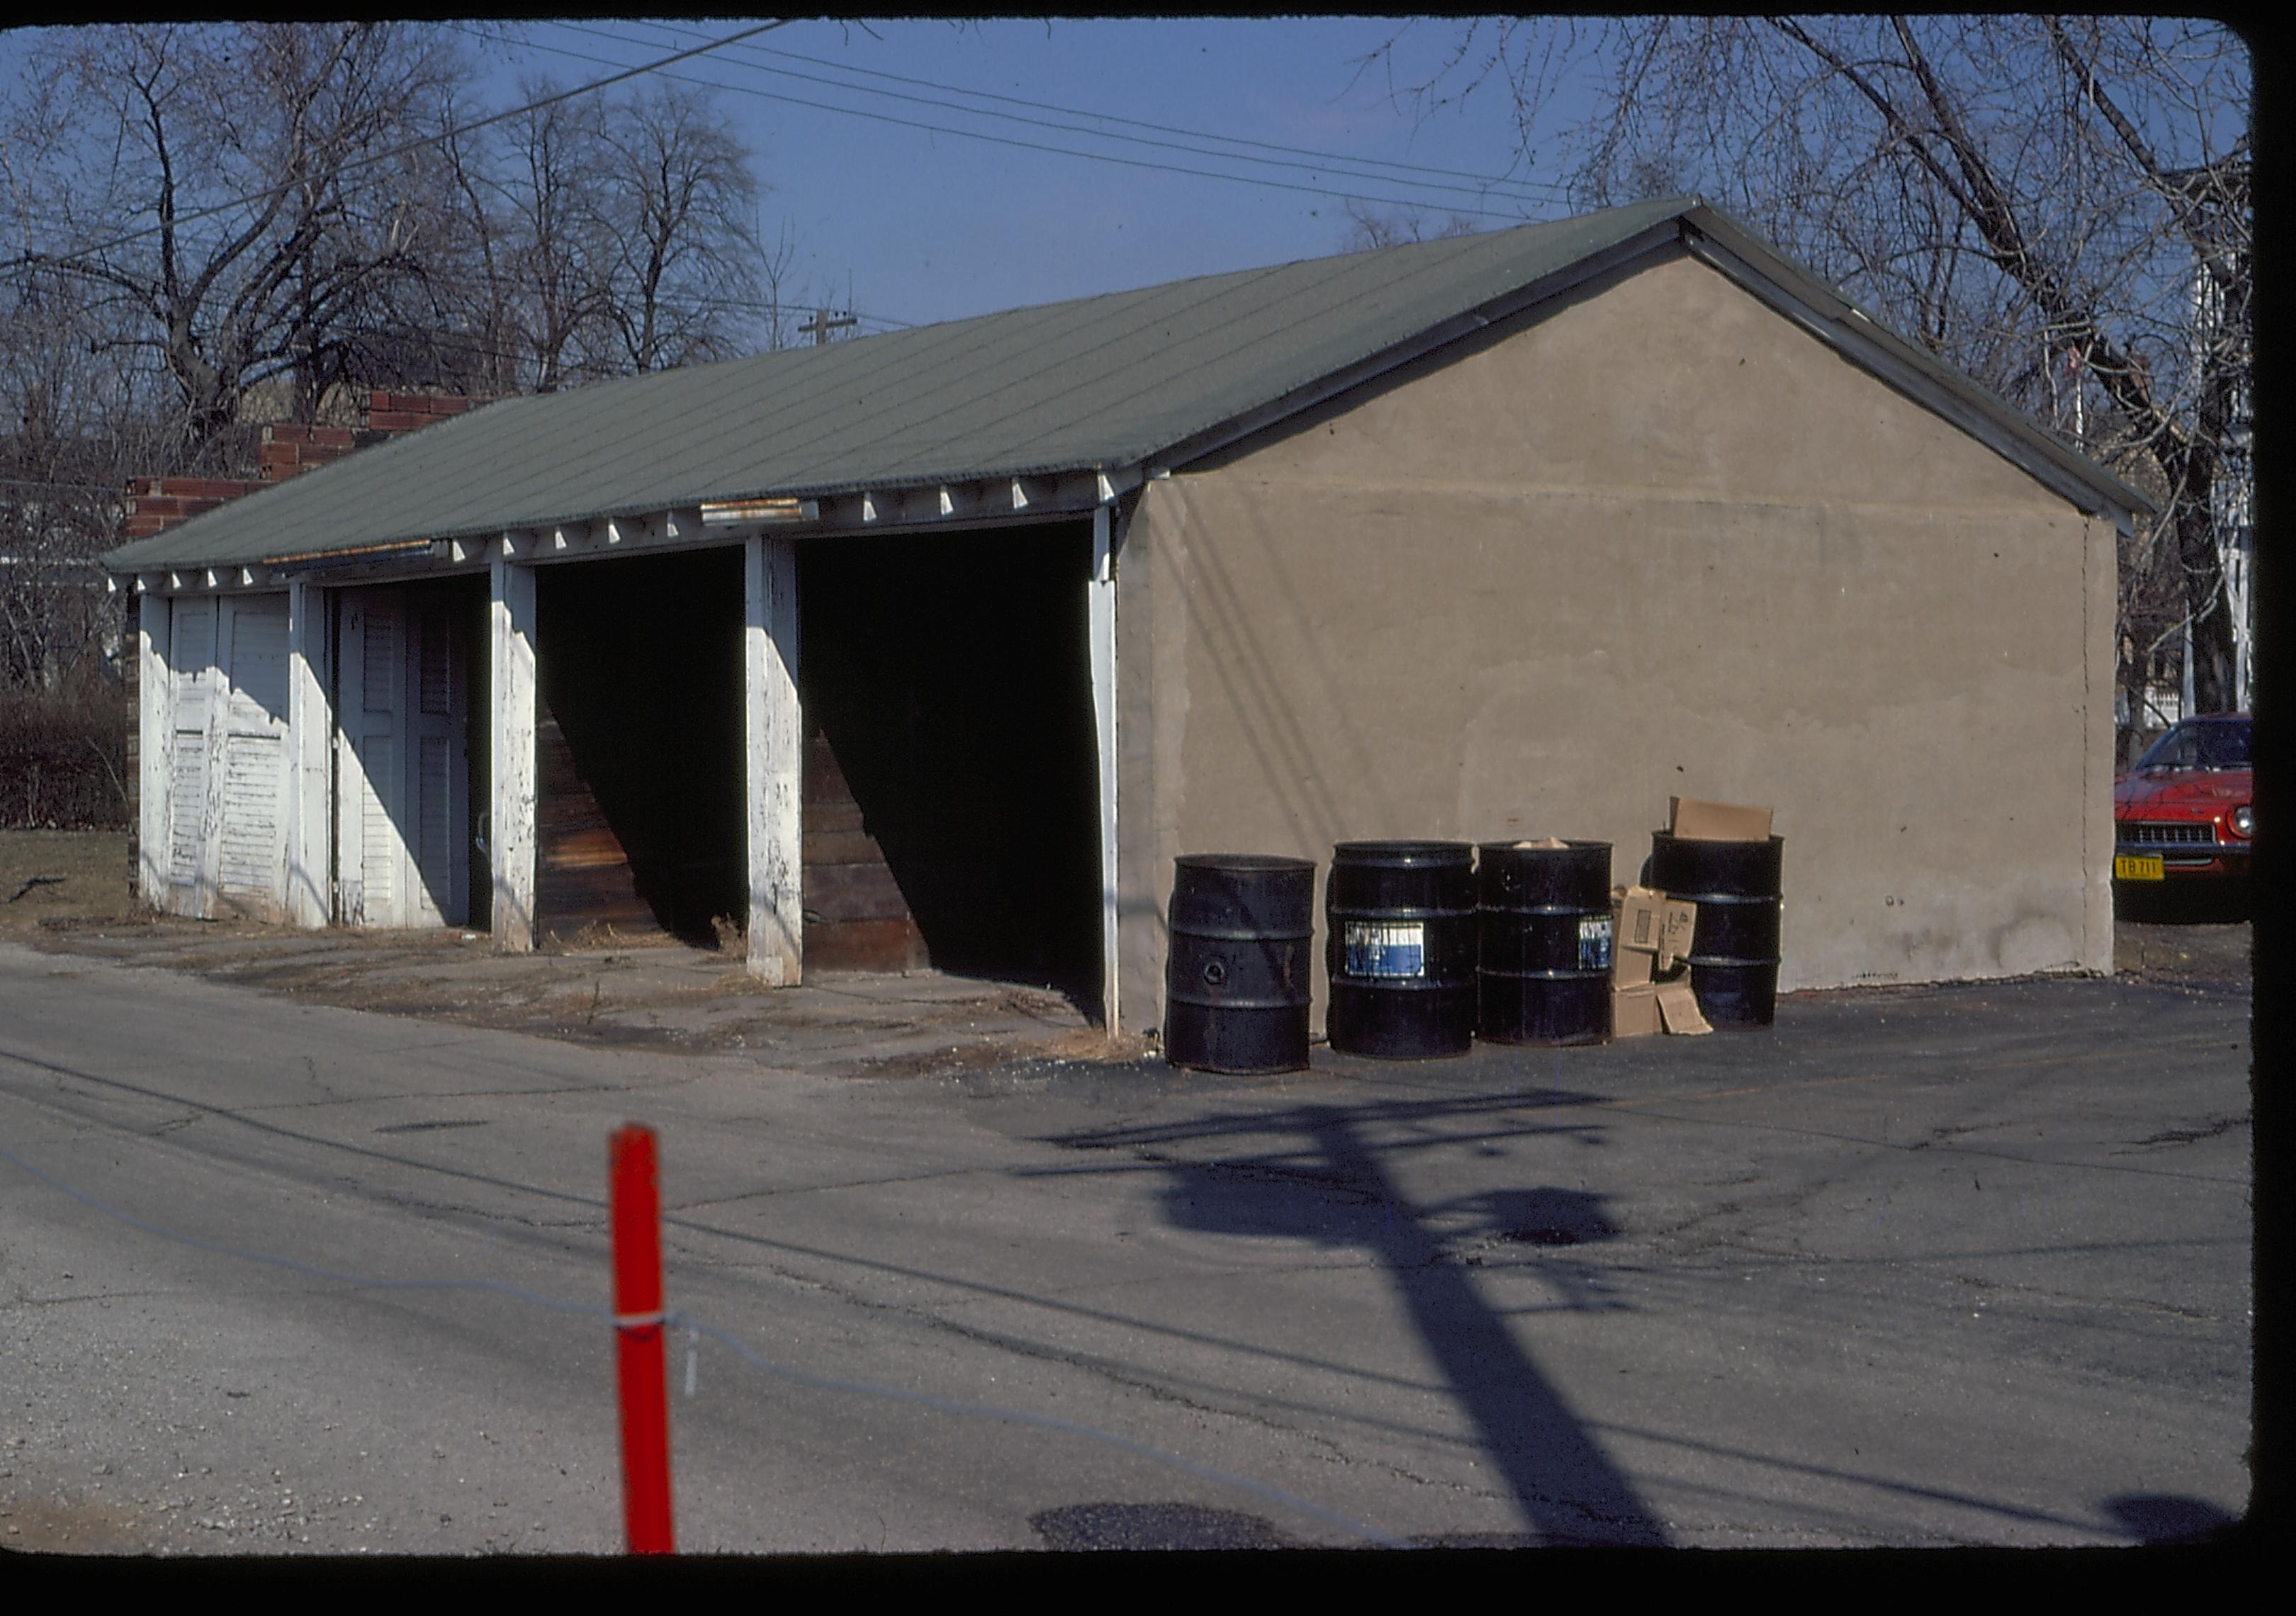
pixel 192 679
pixel 251 786
pixel 403 798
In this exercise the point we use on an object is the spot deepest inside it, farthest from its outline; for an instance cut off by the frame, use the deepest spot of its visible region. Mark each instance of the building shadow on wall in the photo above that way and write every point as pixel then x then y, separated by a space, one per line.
pixel 1319 1173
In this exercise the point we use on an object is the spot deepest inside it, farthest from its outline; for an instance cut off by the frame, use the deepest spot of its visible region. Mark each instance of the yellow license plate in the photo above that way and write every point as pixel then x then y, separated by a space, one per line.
pixel 2144 867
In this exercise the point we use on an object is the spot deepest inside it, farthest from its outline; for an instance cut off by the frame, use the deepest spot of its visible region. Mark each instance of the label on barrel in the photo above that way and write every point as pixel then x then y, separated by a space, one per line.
pixel 1372 948
pixel 1595 943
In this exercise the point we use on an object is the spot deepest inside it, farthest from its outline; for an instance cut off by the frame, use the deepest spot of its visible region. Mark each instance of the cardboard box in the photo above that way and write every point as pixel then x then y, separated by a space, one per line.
pixel 1642 918
pixel 1634 1012
pixel 1677 1008
pixel 1694 820
pixel 1680 924
pixel 1650 933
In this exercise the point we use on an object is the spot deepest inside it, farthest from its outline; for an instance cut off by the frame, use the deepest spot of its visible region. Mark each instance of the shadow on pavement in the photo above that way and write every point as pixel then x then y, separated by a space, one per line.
pixel 2168 1518
pixel 1327 1180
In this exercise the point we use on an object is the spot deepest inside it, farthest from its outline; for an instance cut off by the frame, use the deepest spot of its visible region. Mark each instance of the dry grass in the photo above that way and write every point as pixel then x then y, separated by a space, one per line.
pixel 64 877
pixel 598 936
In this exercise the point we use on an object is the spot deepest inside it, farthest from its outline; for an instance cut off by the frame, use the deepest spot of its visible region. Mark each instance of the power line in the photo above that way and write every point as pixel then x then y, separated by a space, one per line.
pixel 1236 140
pixel 1001 140
pixel 45 259
pixel 1325 162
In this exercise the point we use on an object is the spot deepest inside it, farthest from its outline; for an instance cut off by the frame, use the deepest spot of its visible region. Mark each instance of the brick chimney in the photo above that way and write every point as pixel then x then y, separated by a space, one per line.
pixel 157 504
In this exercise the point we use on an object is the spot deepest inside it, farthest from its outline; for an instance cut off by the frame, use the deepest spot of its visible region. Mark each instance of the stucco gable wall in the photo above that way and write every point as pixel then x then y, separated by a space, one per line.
pixel 1663 541
pixel 1665 377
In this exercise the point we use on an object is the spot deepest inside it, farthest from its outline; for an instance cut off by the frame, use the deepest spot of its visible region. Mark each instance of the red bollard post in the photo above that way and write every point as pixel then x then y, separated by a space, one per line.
pixel 634 1197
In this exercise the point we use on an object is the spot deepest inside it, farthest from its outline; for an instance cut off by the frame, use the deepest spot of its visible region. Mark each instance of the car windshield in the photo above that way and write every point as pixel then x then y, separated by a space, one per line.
pixel 2201 744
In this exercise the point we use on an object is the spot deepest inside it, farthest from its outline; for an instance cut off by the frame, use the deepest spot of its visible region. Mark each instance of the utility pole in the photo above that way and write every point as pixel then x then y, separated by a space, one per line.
pixel 822 325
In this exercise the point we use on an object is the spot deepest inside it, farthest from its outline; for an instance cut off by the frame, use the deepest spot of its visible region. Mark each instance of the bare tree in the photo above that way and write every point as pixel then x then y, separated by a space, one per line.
pixel 2058 206
pixel 74 431
pixel 539 203
pixel 230 188
pixel 1369 226
pixel 681 206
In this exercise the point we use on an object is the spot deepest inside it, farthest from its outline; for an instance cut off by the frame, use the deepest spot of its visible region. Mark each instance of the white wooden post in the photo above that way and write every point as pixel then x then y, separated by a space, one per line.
pixel 510 800
pixel 776 735
pixel 154 729
pixel 1099 598
pixel 310 740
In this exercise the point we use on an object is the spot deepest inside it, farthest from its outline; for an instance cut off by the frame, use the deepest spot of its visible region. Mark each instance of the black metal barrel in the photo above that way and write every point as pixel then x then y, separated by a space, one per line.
pixel 1236 974
pixel 1544 915
pixel 1733 949
pixel 1400 946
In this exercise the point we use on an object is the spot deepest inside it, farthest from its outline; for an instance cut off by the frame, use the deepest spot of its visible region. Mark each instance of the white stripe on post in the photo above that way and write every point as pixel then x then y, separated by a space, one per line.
pixel 775 772
pixel 510 799
pixel 1100 595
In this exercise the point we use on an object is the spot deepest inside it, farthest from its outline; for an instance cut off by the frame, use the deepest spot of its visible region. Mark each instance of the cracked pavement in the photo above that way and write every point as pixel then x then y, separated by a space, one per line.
pixel 1945 1266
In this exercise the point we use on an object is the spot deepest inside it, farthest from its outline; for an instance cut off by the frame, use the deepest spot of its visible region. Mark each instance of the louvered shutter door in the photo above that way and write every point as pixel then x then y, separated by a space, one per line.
pixel 252 860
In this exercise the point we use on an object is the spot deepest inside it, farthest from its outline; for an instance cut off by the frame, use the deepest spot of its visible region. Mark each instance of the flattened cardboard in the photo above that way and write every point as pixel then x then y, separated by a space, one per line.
pixel 1677 1008
pixel 1693 819
pixel 1634 1012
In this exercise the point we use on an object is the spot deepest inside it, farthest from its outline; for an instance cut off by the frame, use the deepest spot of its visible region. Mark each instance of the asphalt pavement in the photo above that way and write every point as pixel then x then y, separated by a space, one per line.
pixel 1962 1264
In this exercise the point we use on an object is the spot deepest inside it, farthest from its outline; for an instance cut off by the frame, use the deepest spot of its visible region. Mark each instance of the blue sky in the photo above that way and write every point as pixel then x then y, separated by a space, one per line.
pixel 927 223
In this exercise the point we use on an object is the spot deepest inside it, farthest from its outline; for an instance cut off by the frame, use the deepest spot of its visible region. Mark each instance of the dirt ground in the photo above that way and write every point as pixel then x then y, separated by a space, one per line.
pixel 67 891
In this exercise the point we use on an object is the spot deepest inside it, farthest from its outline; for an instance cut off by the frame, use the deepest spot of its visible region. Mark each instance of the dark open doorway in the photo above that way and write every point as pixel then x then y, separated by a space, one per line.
pixel 949 682
pixel 638 746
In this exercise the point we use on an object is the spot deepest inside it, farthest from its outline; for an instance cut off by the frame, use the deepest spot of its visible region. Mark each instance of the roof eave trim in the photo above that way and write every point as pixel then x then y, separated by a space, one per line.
pixel 1664 234
pixel 1714 242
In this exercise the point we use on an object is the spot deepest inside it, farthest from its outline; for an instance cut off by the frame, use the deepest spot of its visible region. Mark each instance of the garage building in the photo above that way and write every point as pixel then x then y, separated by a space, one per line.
pixel 938 647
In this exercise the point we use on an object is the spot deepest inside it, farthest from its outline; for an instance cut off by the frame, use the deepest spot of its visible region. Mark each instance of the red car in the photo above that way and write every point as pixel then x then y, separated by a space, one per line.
pixel 2182 812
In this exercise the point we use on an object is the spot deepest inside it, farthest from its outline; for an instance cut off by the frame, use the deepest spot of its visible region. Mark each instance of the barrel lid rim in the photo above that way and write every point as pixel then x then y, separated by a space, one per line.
pixel 1570 844
pixel 1268 862
pixel 1405 851
pixel 1773 840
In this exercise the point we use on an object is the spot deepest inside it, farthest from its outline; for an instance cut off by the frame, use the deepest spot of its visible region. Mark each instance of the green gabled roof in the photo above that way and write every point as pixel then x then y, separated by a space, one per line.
pixel 1096 384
